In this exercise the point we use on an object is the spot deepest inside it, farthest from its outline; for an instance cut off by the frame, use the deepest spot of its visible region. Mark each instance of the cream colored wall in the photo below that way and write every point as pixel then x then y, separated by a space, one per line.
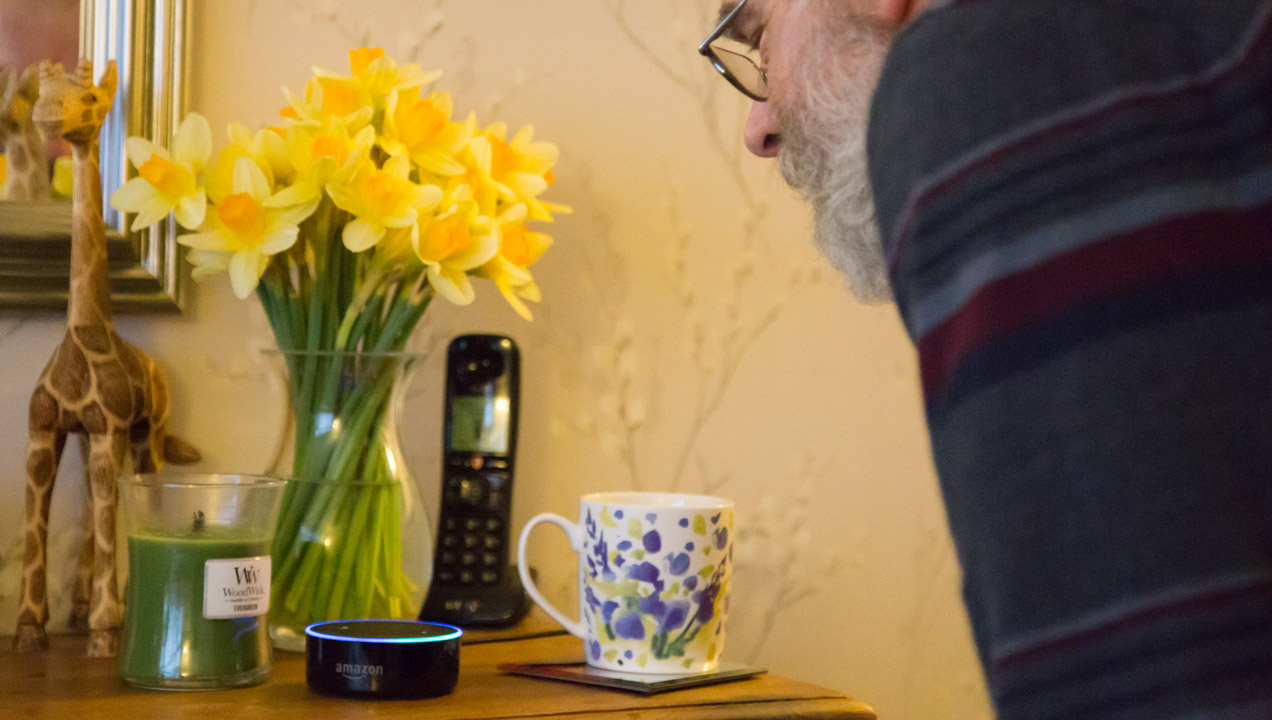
pixel 690 337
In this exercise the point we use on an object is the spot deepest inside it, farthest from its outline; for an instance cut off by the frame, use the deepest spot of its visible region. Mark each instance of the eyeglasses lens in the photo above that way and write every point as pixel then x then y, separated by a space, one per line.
pixel 738 62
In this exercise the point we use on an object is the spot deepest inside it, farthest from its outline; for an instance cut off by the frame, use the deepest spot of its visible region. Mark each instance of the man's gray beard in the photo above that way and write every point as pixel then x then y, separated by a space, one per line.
pixel 823 150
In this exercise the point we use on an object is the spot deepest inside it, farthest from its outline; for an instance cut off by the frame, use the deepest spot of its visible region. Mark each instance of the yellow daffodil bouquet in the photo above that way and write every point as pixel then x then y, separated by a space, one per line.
pixel 345 221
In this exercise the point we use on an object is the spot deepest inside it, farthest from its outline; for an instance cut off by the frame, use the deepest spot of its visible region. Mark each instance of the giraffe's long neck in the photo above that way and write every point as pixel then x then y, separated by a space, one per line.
pixel 28 175
pixel 90 272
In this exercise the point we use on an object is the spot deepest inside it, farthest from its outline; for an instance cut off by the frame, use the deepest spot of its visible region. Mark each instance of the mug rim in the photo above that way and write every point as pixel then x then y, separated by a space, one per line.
pixel 660 500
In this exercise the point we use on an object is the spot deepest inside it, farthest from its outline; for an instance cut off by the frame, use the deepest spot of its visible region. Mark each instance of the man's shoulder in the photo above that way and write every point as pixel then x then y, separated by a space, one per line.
pixel 965 73
pixel 968 83
pixel 1128 174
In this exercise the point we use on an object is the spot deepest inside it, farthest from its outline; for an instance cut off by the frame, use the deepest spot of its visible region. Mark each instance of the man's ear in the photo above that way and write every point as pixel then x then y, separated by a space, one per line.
pixel 902 11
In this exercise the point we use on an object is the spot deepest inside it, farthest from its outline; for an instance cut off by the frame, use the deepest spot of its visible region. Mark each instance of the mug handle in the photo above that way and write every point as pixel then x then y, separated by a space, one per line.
pixel 574 627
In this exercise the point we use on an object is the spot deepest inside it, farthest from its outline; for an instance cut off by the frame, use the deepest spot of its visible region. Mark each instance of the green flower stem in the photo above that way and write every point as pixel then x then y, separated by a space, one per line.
pixel 273 298
pixel 357 311
pixel 322 575
pixel 358 431
pixel 401 321
pixel 348 551
pixel 338 520
pixel 371 515
pixel 396 317
pixel 298 297
pixel 296 587
pixel 399 594
pixel 366 570
pixel 292 541
pixel 364 573
pixel 364 323
pixel 301 500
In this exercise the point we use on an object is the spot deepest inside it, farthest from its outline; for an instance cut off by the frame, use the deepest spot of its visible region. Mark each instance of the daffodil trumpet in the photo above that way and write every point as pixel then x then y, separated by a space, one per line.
pixel 366 201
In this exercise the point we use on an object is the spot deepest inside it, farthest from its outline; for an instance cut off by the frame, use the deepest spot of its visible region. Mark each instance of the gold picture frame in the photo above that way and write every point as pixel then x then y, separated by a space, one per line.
pixel 147 39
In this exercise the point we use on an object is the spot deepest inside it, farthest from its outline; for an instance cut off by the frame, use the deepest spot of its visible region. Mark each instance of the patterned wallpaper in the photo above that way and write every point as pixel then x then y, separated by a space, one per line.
pixel 689 339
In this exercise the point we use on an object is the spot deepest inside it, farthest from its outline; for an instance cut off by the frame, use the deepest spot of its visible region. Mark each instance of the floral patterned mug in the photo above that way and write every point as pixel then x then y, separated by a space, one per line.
pixel 654 575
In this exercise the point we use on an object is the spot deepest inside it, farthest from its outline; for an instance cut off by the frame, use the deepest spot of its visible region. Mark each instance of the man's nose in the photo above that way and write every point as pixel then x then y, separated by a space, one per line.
pixel 760 135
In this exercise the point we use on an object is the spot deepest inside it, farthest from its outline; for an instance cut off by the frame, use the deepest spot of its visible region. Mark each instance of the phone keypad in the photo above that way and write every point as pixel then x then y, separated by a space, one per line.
pixel 473 537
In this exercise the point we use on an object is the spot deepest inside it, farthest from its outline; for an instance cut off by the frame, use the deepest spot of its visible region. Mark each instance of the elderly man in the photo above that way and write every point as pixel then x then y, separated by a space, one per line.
pixel 1072 210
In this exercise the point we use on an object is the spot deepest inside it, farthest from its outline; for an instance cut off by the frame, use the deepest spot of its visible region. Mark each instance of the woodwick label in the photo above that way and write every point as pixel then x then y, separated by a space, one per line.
pixel 236 588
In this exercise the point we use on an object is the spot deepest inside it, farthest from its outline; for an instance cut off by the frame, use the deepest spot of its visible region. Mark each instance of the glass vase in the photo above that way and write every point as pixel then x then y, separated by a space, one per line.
pixel 352 541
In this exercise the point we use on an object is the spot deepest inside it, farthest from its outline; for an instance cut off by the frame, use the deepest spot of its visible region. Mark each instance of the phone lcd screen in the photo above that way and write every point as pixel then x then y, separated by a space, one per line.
pixel 479 424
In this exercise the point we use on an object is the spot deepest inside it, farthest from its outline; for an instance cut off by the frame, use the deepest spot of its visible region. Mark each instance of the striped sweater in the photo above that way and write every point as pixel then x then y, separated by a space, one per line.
pixel 1075 198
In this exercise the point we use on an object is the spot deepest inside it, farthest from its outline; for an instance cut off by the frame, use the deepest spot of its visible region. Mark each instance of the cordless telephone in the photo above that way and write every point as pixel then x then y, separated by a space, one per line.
pixel 473 583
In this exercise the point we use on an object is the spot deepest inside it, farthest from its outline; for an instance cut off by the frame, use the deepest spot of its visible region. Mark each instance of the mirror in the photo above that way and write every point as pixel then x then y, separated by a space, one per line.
pixel 147 41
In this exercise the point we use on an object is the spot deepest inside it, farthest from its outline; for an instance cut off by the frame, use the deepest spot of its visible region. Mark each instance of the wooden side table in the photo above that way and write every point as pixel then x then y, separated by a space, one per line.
pixel 62 683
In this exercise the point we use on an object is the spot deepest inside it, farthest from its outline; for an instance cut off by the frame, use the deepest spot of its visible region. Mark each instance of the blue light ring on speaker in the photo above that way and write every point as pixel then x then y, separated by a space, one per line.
pixel 382 658
pixel 390 631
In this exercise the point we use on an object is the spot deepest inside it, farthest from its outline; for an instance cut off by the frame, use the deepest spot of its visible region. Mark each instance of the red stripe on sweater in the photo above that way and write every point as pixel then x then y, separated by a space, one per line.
pixel 1190 605
pixel 1181 247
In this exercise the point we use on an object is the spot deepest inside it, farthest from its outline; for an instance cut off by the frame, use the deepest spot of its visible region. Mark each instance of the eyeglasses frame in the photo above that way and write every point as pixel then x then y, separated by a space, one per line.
pixel 709 52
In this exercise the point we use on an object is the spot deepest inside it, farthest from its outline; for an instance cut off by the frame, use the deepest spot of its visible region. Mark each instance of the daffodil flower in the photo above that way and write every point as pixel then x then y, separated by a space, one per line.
pixel 521 164
pixel 531 173
pixel 324 99
pixel 243 234
pixel 478 177
pixel 398 245
pixel 522 169
pixel 374 76
pixel 379 199
pixel 268 145
pixel 519 248
pixel 321 155
pixel 514 283
pixel 167 183
pixel 452 245
pixel 208 262
pixel 266 148
pixel 422 128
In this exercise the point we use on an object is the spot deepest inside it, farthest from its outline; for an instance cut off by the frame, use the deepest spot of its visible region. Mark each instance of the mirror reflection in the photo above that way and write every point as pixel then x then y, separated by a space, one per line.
pixel 146 39
pixel 32 168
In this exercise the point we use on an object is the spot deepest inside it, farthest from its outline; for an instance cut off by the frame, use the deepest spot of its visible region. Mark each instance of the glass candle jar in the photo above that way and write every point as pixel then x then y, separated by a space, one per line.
pixel 198 579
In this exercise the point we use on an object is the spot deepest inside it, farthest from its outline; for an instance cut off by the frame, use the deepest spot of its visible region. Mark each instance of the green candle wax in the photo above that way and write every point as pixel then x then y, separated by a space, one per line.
pixel 168 641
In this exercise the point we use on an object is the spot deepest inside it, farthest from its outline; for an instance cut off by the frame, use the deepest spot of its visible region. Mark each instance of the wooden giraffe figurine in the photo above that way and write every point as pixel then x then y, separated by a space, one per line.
pixel 28 170
pixel 95 383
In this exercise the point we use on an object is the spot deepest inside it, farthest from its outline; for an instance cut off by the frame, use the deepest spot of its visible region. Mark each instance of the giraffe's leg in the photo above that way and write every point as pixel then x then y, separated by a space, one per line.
pixel 147 447
pixel 106 460
pixel 149 435
pixel 44 449
pixel 82 593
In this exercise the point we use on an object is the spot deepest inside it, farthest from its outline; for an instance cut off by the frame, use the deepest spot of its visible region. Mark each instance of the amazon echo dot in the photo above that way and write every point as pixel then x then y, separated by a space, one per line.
pixel 382 658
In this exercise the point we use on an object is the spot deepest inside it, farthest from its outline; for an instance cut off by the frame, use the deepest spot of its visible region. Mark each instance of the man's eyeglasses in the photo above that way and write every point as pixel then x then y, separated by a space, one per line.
pixel 736 60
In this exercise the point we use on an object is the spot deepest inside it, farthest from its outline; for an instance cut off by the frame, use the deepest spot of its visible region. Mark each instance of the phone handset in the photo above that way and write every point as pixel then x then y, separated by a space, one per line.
pixel 472 581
